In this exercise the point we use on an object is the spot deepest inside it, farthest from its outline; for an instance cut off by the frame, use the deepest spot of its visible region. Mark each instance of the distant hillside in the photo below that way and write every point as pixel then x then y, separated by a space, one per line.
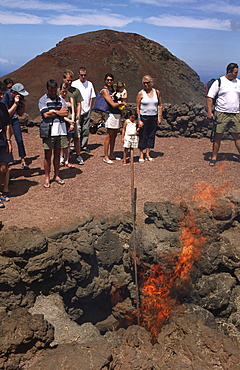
pixel 128 56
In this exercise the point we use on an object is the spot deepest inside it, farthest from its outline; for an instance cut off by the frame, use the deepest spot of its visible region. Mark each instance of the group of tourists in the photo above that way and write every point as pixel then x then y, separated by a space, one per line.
pixel 65 112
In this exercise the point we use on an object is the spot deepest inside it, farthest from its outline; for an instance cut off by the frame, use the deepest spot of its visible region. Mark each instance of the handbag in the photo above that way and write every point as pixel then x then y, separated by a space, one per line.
pixel 101 104
pixel 45 129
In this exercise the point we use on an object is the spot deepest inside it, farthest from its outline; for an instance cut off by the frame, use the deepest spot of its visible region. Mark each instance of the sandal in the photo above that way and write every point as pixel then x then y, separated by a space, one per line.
pixel 69 165
pixel 1 204
pixel 212 162
pixel 4 198
pixel 46 185
pixel 124 162
pixel 108 162
pixel 59 181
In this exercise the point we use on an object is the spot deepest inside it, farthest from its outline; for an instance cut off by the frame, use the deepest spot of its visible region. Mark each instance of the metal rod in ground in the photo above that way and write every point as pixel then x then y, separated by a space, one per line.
pixel 134 203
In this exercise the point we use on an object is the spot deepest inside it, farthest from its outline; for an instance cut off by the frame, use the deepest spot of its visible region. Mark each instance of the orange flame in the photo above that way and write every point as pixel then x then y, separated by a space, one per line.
pixel 207 194
pixel 164 285
pixel 160 288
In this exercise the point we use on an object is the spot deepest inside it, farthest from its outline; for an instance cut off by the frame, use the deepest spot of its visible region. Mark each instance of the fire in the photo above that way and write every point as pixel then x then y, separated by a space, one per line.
pixel 207 194
pixel 164 286
pixel 161 289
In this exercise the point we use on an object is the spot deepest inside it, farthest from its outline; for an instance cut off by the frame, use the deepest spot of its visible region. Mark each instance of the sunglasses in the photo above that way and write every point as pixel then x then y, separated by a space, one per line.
pixel 144 83
pixel 83 75
pixel 109 79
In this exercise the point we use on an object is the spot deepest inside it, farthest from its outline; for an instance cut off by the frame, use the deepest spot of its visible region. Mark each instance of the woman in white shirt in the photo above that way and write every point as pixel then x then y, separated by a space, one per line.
pixel 149 112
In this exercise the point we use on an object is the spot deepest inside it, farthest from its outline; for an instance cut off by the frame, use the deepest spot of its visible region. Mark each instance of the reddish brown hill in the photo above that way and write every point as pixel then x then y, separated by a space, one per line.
pixel 127 55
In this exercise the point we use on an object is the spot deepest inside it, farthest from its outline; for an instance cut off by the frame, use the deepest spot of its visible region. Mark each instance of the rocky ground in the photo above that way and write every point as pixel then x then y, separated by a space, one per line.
pixel 180 164
pixel 48 279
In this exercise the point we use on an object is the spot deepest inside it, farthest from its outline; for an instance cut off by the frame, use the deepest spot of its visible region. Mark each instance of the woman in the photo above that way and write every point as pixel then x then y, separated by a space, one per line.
pixel 70 122
pixel 112 119
pixel 149 112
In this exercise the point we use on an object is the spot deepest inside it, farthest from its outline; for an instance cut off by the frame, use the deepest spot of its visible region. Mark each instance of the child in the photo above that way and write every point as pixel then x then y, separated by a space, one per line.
pixel 70 120
pixel 129 134
pixel 120 95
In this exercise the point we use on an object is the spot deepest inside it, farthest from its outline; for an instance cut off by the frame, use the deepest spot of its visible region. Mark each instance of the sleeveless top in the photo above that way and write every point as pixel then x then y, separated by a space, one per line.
pixel 111 109
pixel 149 106
pixel 131 128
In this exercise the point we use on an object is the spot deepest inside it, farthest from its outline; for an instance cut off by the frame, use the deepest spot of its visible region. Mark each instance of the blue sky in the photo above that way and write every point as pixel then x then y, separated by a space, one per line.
pixel 204 34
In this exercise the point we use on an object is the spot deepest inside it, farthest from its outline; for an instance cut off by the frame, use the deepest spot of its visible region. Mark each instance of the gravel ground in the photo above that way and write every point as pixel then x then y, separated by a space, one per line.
pixel 180 164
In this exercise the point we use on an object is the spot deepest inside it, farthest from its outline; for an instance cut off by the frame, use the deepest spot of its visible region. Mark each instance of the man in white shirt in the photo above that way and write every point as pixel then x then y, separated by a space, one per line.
pixel 87 90
pixel 226 110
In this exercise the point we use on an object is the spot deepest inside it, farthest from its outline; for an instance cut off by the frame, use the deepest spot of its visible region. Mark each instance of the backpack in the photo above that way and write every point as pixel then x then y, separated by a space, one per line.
pixel 209 84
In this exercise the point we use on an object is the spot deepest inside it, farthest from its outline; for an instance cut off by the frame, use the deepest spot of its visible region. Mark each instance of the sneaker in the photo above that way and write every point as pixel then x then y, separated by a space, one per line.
pixel 24 166
pixel 62 162
pixel 79 160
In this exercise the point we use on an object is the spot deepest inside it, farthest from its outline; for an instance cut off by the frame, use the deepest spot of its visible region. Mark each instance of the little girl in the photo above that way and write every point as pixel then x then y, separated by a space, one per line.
pixel 70 121
pixel 129 134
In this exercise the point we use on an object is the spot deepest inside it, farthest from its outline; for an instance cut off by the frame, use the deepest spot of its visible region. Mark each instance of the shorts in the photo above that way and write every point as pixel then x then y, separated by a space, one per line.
pixel 112 120
pixel 4 156
pixel 130 141
pixel 230 121
pixel 55 142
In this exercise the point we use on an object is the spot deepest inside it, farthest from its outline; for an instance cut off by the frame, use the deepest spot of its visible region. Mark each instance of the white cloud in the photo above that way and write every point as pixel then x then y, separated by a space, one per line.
pixel 188 22
pixel 4 61
pixel 163 3
pixel 220 7
pixel 19 18
pixel 37 5
pixel 106 20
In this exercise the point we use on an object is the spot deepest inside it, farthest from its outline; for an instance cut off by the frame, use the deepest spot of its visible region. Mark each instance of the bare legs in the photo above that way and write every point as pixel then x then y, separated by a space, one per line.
pixel 109 143
pixel 236 138
pixel 217 143
pixel 3 172
pixel 216 146
pixel 47 164
pixel 141 156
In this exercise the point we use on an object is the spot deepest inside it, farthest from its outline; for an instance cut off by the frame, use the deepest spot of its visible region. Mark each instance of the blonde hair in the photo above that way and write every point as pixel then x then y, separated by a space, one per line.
pixel 148 78
pixel 68 72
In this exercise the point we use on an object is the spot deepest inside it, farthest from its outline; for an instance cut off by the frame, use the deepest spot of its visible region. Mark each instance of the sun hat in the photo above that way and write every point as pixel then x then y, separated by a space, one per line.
pixel 19 88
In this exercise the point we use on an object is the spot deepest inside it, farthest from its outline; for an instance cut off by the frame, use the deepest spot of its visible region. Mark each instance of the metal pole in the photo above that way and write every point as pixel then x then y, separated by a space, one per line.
pixel 134 202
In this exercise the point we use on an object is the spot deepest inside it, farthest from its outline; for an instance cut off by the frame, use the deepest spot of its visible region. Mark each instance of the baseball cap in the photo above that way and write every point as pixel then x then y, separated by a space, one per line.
pixel 19 88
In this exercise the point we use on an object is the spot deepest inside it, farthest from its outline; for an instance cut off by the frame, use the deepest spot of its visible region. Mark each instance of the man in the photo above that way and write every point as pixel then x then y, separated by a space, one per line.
pixel 5 145
pixel 226 113
pixel 77 98
pixel 87 90
pixel 53 109
pixel 14 99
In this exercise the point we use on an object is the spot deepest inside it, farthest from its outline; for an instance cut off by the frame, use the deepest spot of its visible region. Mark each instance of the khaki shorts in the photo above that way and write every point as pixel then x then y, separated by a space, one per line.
pixel 55 142
pixel 230 121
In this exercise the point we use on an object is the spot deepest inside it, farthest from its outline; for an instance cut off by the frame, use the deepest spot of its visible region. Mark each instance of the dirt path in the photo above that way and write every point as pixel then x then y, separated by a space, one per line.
pixel 94 188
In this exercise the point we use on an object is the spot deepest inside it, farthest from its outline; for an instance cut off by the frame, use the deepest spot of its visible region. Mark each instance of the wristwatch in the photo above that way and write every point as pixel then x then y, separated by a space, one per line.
pixel 55 112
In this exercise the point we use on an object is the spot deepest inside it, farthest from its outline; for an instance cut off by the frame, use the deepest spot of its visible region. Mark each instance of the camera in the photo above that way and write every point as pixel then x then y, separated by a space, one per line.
pixel 21 97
